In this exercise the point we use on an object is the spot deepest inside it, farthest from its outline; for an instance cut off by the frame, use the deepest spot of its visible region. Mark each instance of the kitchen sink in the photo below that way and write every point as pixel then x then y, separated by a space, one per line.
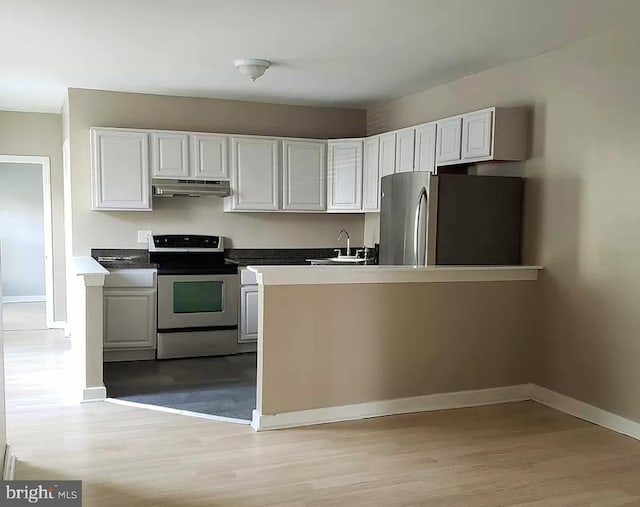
pixel 343 259
pixel 347 259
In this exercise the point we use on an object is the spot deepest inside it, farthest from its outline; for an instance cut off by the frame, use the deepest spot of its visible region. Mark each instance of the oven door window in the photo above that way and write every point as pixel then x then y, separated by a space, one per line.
pixel 198 297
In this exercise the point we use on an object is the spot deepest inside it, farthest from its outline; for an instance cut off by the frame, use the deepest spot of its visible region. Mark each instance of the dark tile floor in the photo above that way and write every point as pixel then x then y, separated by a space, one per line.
pixel 222 385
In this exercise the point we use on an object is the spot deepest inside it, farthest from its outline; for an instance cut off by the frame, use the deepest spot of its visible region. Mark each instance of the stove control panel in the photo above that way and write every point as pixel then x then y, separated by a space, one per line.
pixel 185 243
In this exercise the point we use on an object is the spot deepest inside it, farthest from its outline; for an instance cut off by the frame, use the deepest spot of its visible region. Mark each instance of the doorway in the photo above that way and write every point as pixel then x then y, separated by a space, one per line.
pixel 26 231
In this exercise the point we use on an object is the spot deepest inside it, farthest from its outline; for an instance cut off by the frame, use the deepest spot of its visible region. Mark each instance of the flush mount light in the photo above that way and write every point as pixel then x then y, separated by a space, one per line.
pixel 252 67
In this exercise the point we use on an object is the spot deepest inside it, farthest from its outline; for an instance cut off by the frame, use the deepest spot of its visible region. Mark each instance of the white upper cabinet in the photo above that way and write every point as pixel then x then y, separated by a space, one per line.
pixel 209 157
pixel 170 154
pixel 181 155
pixel 496 133
pixel 371 174
pixel 120 169
pixel 449 133
pixel 255 174
pixel 476 134
pixel 387 154
pixel 425 152
pixel 344 182
pixel 405 144
pixel 296 175
pixel 304 175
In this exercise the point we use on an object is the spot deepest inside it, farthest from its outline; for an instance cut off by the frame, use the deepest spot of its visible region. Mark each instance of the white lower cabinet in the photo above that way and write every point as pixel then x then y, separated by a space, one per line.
pixel 129 315
pixel 129 318
pixel 249 309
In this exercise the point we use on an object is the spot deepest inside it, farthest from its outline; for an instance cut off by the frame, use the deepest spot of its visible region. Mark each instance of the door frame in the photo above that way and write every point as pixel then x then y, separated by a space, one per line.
pixel 45 163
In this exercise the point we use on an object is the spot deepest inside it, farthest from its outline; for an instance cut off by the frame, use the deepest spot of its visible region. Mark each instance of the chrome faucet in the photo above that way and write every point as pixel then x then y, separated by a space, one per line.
pixel 348 240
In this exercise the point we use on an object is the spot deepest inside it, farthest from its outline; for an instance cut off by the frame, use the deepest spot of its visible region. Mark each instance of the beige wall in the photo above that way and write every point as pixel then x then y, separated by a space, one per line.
pixel 40 134
pixel 582 215
pixel 89 108
pixel 369 342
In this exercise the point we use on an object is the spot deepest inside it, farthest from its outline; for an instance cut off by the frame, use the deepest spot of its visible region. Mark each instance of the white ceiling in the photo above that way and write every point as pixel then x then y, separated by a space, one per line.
pixel 325 52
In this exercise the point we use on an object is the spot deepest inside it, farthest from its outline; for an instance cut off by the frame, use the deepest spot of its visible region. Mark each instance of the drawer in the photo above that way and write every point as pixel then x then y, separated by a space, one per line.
pixel 247 277
pixel 131 278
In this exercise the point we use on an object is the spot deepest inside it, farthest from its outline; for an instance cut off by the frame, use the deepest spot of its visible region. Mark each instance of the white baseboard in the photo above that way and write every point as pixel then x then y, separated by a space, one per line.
pixel 8 464
pixel 460 399
pixel 585 411
pixel 90 394
pixel 58 324
pixel 446 401
pixel 23 299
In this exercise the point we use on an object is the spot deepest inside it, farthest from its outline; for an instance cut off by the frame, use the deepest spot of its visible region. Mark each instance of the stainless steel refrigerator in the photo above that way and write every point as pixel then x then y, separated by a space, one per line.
pixel 450 219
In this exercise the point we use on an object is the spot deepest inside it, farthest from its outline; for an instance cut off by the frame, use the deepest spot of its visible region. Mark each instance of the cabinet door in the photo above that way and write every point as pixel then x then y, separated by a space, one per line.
pixel 129 319
pixel 405 143
pixel 476 134
pixel 425 158
pixel 170 155
pixel 387 154
pixel 448 141
pixel 248 314
pixel 371 175
pixel 304 177
pixel 120 170
pixel 209 157
pixel 345 175
pixel 255 173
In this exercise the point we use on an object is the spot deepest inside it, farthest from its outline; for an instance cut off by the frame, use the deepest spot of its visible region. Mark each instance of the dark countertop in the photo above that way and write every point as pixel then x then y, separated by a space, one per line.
pixel 121 258
pixel 259 261
pixel 127 258
pixel 281 256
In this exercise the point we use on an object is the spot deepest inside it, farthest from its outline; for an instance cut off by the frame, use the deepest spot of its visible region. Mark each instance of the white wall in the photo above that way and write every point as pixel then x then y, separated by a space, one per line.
pixel 22 230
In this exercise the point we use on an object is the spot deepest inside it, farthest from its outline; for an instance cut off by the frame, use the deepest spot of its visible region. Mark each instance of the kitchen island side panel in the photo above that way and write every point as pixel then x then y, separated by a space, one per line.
pixel 333 345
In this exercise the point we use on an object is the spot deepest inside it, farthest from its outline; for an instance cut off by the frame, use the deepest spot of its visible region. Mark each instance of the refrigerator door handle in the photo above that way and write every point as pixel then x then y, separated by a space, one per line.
pixel 416 231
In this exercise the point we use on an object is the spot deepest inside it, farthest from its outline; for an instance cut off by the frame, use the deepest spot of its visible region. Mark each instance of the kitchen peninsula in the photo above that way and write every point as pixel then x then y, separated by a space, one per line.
pixel 339 343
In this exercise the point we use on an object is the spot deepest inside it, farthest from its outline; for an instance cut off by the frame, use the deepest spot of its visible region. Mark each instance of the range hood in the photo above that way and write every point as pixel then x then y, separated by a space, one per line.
pixel 190 188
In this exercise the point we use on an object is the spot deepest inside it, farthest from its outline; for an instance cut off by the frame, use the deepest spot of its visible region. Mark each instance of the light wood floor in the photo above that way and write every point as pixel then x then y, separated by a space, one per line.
pixel 513 454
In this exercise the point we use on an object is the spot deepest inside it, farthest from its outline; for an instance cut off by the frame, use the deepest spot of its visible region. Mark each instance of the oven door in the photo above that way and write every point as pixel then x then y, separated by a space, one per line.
pixel 197 301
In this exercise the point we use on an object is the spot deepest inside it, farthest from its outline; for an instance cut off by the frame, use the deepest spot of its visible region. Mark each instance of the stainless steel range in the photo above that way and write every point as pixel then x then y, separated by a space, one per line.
pixel 198 295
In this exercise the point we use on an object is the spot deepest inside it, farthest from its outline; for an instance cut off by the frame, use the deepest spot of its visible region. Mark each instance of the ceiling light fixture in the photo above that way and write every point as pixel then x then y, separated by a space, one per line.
pixel 252 67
